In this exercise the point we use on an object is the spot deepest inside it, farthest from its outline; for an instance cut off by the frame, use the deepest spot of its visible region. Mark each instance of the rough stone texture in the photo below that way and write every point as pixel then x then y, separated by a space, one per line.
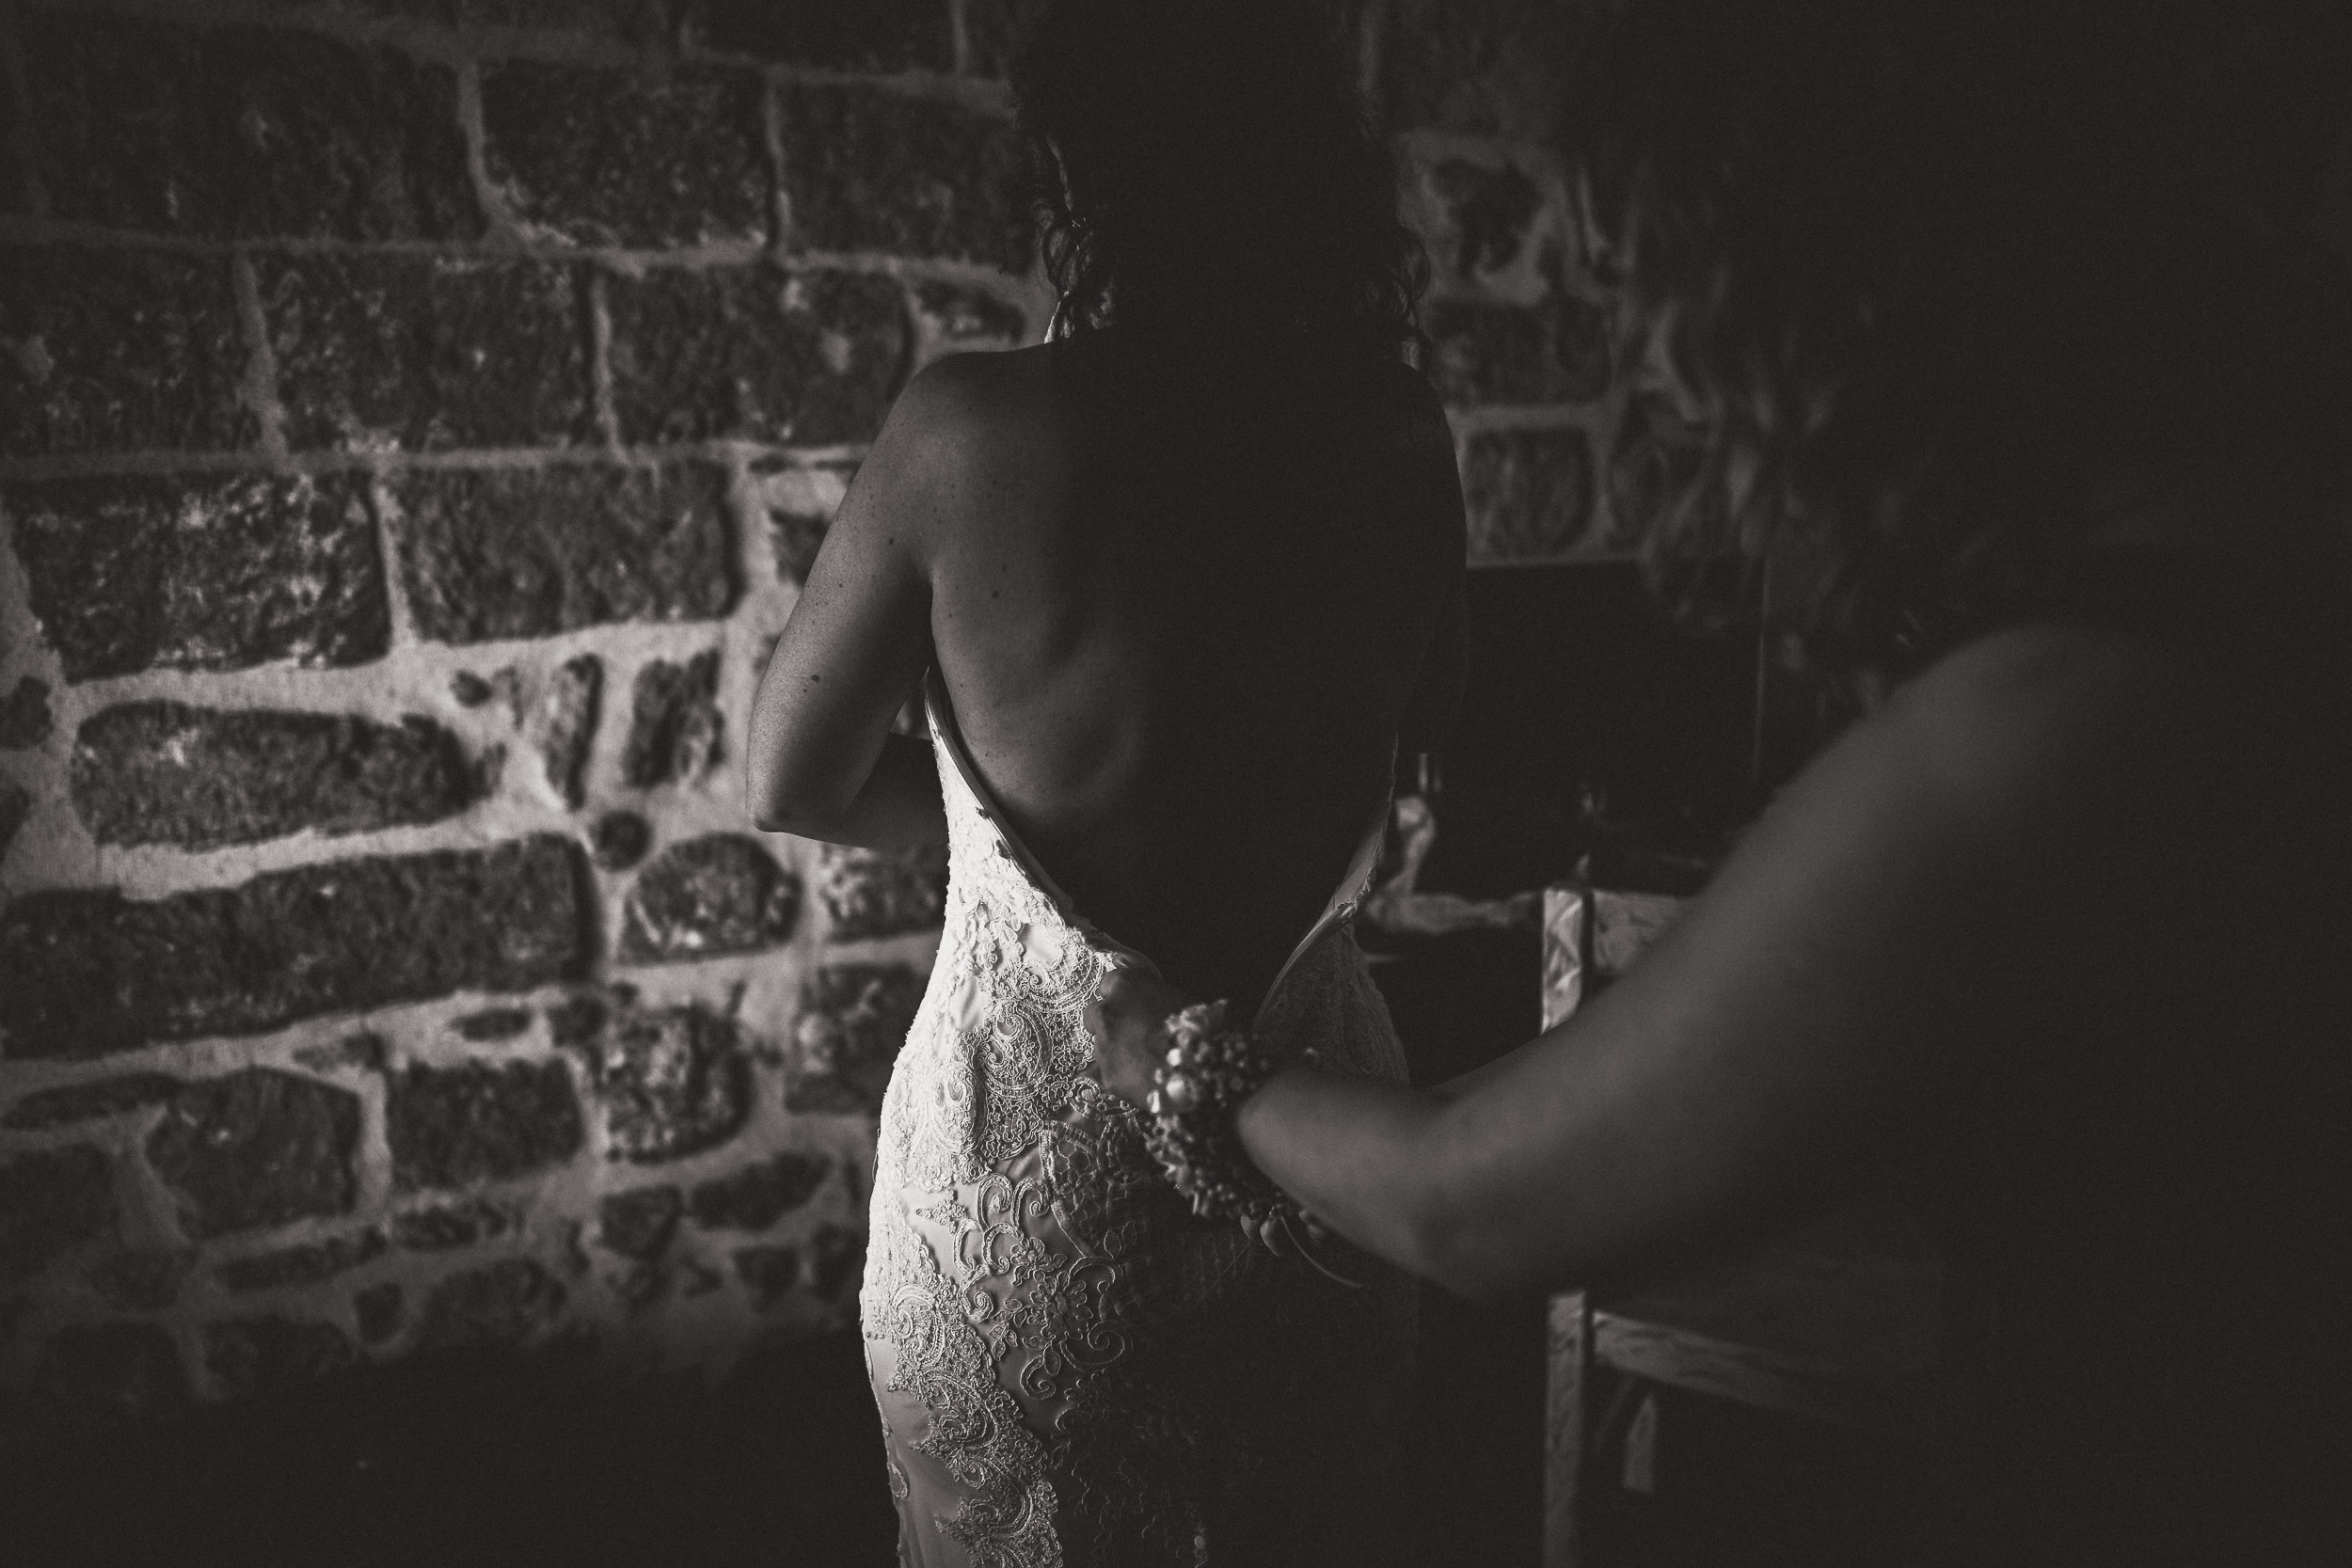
pixel 425 353
pixel 1553 353
pixel 15 806
pixel 1486 213
pixel 504 553
pixel 875 893
pixel 1653 466
pixel 796 534
pixel 304 1264
pixel 565 726
pixel 114 1372
pixel 576 1024
pixel 108 350
pixel 721 893
pixel 614 157
pixel 1486 67
pixel 257 1147
pixel 105 972
pixel 620 840
pixel 671 1081
pixel 994 30
pixel 274 1355
pixel 843 34
pixel 853 1019
pixel 756 353
pixel 451 1127
pixel 364 1051
pixel 674 723
pixel 640 1224
pixel 1528 494
pixel 469 689
pixel 837 1256
pixel 140 1281
pixel 162 772
pixel 865 168
pixel 50 1200
pixel 201 573
pixel 501 1305
pixel 378 1312
pixel 768 1273
pixel 964 315
pixel 757 1196
pixel 496 1024
pixel 243 131
pixel 24 715
pixel 455 1225
pixel 107 1097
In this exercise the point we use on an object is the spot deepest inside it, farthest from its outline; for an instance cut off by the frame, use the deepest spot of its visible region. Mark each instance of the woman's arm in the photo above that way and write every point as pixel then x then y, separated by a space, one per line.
pixel 1794 1026
pixel 823 761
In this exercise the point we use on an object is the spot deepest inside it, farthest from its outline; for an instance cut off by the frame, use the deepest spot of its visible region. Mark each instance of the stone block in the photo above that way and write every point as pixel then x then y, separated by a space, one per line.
pixel 1488 353
pixel 51 1201
pixel 1485 217
pixel 966 316
pixel 799 502
pixel 721 893
pixel 119 349
pixel 565 726
pixel 513 553
pixel 1484 66
pixel 837 1256
pixel 453 1225
pixel 756 353
pixel 201 573
pixel 993 31
pixel 670 1082
pixel 305 1263
pixel 494 1024
pixel 425 353
pixel 867 169
pixel 140 1281
pixel 1528 494
pixel 24 715
pixel 674 724
pixel 249 1356
pixel 503 1304
pixel 243 131
pixel 853 1019
pixel 758 1195
pixel 640 22
pixel 255 1148
pixel 114 1373
pixel 16 804
pixel 162 772
pixel 768 1273
pixel 842 35
pixel 878 893
pixel 613 156
pixel 639 1224
pixel 106 1097
pixel 451 1127
pixel 378 1312
pixel 105 972
pixel 619 840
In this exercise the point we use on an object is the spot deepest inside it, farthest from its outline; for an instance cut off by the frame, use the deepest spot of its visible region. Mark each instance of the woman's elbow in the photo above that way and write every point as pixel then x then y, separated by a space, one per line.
pixel 1456 1248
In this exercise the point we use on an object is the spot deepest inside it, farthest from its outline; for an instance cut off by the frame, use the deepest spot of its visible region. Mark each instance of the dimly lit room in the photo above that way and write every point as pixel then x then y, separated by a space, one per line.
pixel 719 720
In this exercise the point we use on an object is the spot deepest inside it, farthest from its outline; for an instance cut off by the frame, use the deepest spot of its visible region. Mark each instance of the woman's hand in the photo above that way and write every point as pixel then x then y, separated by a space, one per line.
pixel 1128 1020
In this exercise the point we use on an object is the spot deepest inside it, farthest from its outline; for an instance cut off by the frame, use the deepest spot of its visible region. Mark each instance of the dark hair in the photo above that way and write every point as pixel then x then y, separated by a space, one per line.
pixel 1913 272
pixel 1207 163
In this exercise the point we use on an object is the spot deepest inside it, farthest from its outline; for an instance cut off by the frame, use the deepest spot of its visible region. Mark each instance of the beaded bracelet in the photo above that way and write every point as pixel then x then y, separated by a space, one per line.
pixel 1209 1070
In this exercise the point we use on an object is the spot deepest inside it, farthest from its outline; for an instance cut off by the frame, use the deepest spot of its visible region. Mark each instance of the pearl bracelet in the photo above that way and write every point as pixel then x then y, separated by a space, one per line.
pixel 1209 1072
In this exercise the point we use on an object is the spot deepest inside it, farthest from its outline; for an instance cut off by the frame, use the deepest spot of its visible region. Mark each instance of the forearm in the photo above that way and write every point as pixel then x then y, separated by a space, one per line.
pixel 899 807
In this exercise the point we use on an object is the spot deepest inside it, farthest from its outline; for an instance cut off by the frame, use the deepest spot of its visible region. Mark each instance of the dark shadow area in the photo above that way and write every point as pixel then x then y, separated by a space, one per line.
pixel 481 1459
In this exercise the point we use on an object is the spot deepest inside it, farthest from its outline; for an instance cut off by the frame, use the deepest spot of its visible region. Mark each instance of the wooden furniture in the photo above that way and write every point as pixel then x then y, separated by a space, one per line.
pixel 1835 1322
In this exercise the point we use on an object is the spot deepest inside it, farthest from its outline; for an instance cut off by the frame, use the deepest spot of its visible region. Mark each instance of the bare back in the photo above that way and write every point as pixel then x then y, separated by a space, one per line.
pixel 1183 621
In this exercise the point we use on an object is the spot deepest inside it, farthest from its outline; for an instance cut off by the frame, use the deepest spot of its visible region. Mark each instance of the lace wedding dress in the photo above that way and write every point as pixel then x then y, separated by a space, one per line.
pixel 1071 1369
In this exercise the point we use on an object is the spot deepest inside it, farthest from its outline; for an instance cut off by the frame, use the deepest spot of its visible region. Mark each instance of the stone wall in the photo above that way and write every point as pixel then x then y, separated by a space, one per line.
pixel 415 417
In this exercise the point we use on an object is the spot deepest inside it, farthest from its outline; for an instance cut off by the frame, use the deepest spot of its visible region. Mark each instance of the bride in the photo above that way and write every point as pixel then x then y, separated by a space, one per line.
pixel 1176 587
